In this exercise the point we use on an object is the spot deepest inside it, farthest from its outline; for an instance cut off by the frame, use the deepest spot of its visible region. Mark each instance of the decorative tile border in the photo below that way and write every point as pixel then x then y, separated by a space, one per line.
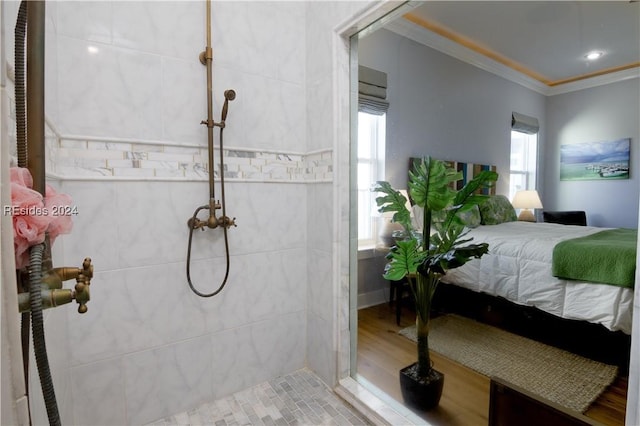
pixel 71 157
pixel 80 158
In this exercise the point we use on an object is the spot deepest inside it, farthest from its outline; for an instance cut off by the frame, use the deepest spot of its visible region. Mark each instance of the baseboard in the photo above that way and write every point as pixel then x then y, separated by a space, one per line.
pixel 372 298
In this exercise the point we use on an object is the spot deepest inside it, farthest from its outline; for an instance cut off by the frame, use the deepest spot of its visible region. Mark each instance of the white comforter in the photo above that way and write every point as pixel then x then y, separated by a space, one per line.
pixel 518 268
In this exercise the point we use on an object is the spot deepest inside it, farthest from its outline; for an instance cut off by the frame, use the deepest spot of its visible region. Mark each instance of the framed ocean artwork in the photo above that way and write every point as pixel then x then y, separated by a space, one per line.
pixel 607 160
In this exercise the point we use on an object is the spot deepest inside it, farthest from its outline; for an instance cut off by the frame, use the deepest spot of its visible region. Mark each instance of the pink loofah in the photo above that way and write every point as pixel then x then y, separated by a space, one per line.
pixel 30 221
pixel 32 216
pixel 56 204
pixel 22 176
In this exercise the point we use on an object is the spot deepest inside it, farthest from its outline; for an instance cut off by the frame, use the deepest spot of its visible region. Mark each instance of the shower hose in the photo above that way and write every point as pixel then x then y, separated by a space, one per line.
pixel 224 230
pixel 37 327
pixel 36 252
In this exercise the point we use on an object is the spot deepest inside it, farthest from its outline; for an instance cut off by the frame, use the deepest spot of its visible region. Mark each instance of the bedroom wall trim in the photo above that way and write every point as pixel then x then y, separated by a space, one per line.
pixel 421 35
pixel 372 298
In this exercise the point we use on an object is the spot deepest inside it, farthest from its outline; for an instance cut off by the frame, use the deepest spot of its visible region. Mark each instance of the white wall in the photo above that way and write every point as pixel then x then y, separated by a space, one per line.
pixel 328 206
pixel 131 155
pixel 148 347
pixel 152 348
pixel 14 403
pixel 603 113
pixel 55 321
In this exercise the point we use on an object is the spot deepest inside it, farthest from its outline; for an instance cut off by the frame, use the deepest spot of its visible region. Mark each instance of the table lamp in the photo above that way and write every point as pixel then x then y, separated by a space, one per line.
pixel 526 200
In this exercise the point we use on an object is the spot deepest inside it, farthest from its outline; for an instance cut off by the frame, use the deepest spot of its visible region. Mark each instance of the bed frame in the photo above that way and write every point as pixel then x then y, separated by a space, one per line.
pixel 511 405
pixel 593 341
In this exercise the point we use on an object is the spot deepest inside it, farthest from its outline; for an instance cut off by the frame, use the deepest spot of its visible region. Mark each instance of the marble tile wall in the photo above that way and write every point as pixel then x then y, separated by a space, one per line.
pixel 55 321
pixel 328 126
pixel 145 81
pixel 157 343
pixel 127 99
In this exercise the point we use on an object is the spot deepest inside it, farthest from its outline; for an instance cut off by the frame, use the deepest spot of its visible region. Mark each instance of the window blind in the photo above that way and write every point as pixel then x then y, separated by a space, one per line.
pixel 524 124
pixel 372 91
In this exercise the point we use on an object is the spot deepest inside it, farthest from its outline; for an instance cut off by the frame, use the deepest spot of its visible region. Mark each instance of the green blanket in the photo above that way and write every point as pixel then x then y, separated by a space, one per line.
pixel 607 256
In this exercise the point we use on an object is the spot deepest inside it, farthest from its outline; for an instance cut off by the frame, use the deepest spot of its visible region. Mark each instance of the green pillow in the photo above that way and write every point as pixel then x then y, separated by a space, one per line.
pixel 497 209
pixel 470 217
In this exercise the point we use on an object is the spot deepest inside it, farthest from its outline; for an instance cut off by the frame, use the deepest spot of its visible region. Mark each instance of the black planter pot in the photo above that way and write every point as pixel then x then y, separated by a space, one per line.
pixel 421 394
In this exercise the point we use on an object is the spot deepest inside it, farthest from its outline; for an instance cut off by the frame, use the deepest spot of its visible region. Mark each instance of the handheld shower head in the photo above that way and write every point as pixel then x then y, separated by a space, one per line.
pixel 229 95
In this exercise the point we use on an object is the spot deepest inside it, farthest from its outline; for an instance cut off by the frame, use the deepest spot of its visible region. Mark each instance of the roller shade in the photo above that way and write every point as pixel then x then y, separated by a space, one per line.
pixel 372 91
pixel 524 124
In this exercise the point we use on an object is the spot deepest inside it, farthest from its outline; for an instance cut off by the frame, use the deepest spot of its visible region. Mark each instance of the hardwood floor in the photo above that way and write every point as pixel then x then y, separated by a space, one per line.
pixel 465 399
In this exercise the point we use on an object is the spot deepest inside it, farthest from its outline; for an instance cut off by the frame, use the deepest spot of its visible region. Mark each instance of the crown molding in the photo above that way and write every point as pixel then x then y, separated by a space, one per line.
pixel 442 44
pixel 600 80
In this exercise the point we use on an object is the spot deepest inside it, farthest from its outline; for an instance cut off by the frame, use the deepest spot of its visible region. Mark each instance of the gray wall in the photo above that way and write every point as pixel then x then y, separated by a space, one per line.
pixel 451 110
pixel 445 108
pixel 442 107
pixel 599 114
pixel 372 288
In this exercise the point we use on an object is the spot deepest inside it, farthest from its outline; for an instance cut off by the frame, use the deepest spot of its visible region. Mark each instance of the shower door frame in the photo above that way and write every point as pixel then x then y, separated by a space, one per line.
pixel 355 390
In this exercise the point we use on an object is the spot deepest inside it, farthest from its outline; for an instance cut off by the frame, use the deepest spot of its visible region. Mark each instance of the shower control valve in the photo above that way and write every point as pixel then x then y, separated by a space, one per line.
pixel 54 295
pixel 227 222
pixel 195 223
pixel 83 282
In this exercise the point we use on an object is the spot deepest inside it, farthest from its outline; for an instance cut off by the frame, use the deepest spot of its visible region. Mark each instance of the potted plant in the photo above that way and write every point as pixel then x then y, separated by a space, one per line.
pixel 422 257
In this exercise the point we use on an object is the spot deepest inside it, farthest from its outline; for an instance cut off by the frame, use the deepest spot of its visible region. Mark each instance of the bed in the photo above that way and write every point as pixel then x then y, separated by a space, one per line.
pixel 519 265
pixel 518 268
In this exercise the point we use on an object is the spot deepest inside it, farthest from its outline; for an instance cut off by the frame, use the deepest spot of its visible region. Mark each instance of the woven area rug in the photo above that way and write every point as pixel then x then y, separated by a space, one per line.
pixel 557 375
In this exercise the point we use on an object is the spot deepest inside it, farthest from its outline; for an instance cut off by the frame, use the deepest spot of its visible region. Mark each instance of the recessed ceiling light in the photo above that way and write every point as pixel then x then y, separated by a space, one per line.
pixel 92 49
pixel 592 56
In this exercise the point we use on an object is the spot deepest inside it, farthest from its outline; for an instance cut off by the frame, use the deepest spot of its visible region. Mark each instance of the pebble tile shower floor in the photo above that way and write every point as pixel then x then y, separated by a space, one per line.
pixel 299 398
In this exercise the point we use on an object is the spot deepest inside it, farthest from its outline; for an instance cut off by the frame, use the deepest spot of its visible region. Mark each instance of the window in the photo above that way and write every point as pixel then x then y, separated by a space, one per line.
pixel 524 155
pixel 372 113
pixel 371 140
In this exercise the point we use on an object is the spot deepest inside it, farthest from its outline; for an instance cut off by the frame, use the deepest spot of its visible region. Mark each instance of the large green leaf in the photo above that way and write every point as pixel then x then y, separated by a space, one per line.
pixel 466 198
pixel 466 194
pixel 440 263
pixel 430 184
pixel 448 237
pixel 405 258
pixel 393 201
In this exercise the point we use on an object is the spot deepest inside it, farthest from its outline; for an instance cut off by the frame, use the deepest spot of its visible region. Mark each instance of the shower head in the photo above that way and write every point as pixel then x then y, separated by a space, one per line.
pixel 229 95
